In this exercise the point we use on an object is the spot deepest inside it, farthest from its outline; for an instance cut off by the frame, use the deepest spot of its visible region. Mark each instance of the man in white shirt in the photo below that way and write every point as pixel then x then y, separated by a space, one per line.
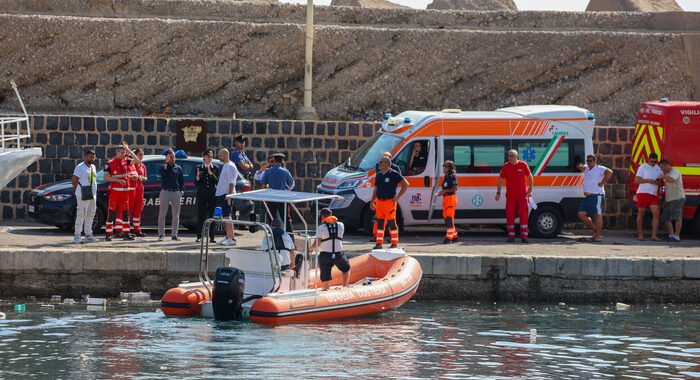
pixel 594 179
pixel 647 178
pixel 329 237
pixel 85 182
pixel 226 186
pixel 674 200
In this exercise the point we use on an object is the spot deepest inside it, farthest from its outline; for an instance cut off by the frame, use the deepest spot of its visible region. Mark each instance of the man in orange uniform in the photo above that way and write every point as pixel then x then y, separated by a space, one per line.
pixel 117 174
pixel 515 171
pixel 384 200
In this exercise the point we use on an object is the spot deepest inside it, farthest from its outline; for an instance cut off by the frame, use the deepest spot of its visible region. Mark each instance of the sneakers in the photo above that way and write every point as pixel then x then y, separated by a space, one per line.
pixel 198 240
pixel 161 237
pixel 140 234
pixel 672 239
pixel 228 242
pixel 510 240
pixel 108 237
pixel 91 239
pixel 447 241
pixel 175 238
pixel 524 240
pixel 127 237
pixel 377 246
pixel 77 240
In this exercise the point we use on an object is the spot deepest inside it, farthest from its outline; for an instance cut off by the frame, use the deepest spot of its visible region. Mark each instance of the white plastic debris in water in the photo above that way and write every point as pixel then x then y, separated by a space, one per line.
pixel 47 307
pixel 2 315
pixel 562 304
pixel 96 301
pixel 622 306
pixel 533 335
pixel 69 301
pixel 55 299
pixel 83 357
pixel 136 297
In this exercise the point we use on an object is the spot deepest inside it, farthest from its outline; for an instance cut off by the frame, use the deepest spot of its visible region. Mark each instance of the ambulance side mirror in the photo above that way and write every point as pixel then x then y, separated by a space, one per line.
pixel 426 181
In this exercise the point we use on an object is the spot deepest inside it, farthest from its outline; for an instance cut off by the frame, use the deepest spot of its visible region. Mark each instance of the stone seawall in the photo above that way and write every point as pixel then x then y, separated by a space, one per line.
pixel 477 277
pixel 312 147
pixel 253 66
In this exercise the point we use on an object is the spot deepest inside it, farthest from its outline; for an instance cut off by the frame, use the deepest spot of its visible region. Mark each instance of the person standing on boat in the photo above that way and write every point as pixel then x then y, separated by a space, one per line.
pixel 517 192
pixel 449 201
pixel 85 182
pixel 329 237
pixel 284 244
pixel 172 189
pixel 278 178
pixel 385 199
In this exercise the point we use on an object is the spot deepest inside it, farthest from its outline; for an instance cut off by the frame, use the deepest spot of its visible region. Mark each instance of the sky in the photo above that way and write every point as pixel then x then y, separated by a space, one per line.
pixel 523 5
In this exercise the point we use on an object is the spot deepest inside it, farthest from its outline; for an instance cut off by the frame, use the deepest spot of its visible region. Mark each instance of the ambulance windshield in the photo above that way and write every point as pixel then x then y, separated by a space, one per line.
pixel 367 156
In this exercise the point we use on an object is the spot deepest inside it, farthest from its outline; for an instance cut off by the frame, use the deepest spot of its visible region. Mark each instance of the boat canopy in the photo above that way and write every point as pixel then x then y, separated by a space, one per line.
pixel 282 196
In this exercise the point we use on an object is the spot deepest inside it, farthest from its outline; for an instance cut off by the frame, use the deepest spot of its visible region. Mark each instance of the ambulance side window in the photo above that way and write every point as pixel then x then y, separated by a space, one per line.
pixel 476 156
pixel 564 160
pixel 413 166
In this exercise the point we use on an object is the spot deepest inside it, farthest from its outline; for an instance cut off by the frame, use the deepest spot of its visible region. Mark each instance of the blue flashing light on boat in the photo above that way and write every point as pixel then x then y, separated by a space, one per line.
pixel 663 100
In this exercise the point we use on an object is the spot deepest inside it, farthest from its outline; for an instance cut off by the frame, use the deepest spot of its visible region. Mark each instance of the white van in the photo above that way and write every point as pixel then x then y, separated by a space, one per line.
pixel 551 139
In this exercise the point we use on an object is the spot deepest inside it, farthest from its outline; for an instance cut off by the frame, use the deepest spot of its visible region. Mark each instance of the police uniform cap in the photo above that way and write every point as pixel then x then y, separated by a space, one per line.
pixel 242 139
pixel 278 155
pixel 209 153
pixel 167 150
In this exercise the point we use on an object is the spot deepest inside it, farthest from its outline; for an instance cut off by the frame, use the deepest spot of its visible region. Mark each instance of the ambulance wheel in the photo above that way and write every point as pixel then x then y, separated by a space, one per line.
pixel 545 222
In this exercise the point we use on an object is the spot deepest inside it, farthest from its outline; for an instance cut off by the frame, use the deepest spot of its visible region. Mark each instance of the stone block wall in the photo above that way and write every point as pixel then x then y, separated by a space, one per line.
pixel 313 148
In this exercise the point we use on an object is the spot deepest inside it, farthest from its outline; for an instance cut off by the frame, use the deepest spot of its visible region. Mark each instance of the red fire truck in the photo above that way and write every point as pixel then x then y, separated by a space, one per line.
pixel 671 130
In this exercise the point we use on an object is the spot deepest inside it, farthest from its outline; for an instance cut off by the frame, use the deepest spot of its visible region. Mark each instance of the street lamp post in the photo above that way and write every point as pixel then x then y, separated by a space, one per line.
pixel 307 111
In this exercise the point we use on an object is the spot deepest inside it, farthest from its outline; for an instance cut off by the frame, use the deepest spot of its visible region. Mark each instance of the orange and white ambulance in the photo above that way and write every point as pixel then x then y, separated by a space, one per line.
pixel 550 139
pixel 672 131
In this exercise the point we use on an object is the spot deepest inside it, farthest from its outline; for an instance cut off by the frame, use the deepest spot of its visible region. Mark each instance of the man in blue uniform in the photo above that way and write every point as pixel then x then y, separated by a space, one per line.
pixel 278 178
pixel 385 199
pixel 239 157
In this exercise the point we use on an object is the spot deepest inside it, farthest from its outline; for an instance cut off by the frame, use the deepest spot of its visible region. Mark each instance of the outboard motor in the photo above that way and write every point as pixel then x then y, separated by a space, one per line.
pixel 228 294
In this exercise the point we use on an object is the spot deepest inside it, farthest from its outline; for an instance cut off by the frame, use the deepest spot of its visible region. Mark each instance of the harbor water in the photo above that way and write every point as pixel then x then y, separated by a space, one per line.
pixel 422 339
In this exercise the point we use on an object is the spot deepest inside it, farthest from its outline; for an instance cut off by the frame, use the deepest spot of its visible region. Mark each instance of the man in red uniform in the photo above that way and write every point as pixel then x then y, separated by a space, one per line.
pixel 137 176
pixel 117 174
pixel 517 193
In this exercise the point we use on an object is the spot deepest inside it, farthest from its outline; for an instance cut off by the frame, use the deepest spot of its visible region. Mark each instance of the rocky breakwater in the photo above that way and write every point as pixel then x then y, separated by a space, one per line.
pixel 375 62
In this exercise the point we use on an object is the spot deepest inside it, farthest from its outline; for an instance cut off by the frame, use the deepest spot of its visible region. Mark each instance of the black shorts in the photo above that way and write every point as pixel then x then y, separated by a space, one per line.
pixel 326 262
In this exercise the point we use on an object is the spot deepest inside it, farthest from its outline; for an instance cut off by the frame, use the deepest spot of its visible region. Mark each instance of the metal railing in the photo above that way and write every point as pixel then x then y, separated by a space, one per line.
pixel 204 252
pixel 16 121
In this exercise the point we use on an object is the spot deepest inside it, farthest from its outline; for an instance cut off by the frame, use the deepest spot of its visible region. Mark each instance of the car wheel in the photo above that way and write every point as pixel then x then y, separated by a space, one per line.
pixel 98 221
pixel 545 222
pixel 368 221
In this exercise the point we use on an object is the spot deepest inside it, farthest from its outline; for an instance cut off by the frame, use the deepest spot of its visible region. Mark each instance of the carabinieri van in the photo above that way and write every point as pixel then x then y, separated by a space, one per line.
pixel 550 139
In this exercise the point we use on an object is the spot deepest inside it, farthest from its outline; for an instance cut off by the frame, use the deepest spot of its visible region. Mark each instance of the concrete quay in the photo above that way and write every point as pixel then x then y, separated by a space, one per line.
pixel 40 261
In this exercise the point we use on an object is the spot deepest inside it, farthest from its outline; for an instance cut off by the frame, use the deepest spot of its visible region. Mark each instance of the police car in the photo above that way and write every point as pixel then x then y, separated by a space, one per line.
pixel 55 203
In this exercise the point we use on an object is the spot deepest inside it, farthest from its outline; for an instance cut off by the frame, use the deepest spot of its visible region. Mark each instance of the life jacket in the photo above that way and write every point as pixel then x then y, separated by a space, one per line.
pixel 331 223
pixel 277 236
pixel 118 169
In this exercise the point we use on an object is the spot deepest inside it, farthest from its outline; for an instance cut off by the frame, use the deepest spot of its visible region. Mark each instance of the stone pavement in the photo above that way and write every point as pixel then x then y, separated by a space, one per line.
pixel 416 241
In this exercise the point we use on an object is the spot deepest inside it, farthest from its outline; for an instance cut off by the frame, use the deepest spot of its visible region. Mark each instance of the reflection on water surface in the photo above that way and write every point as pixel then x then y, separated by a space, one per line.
pixel 420 340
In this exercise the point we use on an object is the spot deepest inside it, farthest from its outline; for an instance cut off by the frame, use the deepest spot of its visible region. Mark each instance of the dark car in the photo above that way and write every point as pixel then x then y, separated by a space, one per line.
pixel 55 203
